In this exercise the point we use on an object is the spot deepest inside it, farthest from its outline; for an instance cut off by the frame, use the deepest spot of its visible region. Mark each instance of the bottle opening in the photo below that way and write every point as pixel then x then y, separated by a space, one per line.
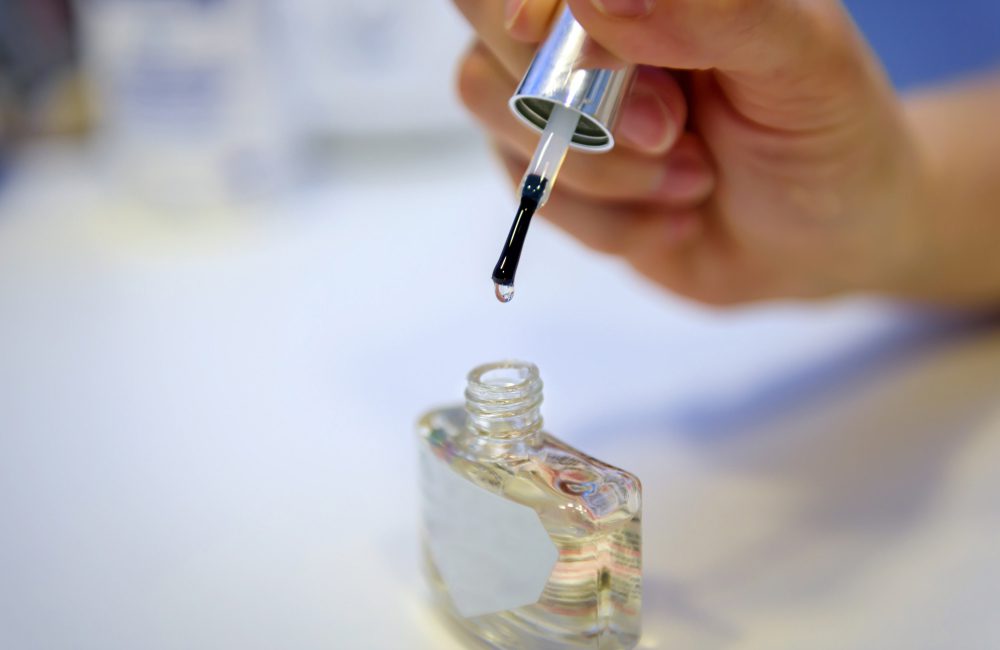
pixel 502 399
pixel 510 376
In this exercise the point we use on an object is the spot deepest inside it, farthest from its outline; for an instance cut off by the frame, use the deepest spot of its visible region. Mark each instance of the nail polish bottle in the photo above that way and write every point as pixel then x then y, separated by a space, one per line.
pixel 528 543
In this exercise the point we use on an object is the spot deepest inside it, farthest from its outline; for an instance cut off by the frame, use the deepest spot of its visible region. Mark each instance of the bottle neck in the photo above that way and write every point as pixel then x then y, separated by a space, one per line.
pixel 503 402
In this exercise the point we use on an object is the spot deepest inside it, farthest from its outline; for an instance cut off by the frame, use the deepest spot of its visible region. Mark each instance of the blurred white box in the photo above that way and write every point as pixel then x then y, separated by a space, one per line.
pixel 366 67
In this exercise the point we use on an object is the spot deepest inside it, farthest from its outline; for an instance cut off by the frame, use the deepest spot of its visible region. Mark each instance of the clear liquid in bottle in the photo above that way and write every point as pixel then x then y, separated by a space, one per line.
pixel 528 542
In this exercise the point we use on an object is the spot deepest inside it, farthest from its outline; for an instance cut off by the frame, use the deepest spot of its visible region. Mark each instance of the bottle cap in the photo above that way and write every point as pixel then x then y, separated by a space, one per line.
pixel 558 75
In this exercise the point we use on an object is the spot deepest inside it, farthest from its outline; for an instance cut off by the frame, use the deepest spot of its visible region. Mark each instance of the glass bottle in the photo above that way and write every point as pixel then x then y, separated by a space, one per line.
pixel 528 543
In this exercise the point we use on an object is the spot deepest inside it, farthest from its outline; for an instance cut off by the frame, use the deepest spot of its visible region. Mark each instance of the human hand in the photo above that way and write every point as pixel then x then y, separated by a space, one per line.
pixel 763 154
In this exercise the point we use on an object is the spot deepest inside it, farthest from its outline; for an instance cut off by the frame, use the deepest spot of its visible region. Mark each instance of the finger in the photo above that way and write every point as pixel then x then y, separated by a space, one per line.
pixel 615 228
pixel 654 113
pixel 680 178
pixel 794 55
pixel 682 250
pixel 668 247
pixel 487 19
pixel 529 20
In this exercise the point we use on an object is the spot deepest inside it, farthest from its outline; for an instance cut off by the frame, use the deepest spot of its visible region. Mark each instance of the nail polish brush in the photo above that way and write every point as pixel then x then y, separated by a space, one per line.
pixel 575 107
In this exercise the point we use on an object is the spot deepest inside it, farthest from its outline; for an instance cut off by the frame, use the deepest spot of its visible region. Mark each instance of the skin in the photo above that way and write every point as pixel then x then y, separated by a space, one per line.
pixel 762 153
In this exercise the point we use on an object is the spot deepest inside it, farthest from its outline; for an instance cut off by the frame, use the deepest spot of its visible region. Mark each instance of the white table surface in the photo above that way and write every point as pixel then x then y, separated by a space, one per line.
pixel 206 425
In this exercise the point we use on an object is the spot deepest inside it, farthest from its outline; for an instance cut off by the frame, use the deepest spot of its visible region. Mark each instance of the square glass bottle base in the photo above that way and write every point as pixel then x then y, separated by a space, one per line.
pixel 528 543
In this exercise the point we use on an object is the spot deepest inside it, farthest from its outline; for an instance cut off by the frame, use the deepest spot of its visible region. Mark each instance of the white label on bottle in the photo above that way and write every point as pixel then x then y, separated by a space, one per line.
pixel 492 554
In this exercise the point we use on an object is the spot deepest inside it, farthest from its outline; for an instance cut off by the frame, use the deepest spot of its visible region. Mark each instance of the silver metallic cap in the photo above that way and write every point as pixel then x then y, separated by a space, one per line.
pixel 557 76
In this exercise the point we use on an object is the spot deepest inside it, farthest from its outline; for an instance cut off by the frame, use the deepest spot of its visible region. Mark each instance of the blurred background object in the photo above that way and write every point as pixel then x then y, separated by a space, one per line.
pixel 191 111
pixel 40 88
pixel 198 102
pixel 373 67
pixel 40 93
pixel 923 42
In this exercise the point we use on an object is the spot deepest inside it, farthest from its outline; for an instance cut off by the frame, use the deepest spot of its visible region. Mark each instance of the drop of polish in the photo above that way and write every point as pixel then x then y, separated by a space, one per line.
pixel 504 292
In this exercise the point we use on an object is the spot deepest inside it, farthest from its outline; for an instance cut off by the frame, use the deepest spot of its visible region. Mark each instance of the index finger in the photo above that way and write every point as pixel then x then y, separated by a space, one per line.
pixel 487 17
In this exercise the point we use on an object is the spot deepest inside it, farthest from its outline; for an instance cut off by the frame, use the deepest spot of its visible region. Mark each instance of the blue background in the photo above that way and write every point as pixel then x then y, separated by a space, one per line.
pixel 925 41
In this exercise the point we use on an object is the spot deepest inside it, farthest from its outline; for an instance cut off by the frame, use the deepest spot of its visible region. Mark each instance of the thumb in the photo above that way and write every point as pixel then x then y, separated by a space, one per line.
pixel 782 63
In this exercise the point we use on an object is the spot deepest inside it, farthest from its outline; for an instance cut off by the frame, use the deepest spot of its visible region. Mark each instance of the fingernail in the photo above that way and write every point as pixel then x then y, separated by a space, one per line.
pixel 624 8
pixel 512 9
pixel 647 122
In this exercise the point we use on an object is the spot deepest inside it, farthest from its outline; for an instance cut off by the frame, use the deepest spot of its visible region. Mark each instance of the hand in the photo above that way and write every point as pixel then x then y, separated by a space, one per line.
pixel 762 152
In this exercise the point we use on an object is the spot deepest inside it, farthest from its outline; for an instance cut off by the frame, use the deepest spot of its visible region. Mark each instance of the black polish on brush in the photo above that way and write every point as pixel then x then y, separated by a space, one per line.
pixel 532 193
